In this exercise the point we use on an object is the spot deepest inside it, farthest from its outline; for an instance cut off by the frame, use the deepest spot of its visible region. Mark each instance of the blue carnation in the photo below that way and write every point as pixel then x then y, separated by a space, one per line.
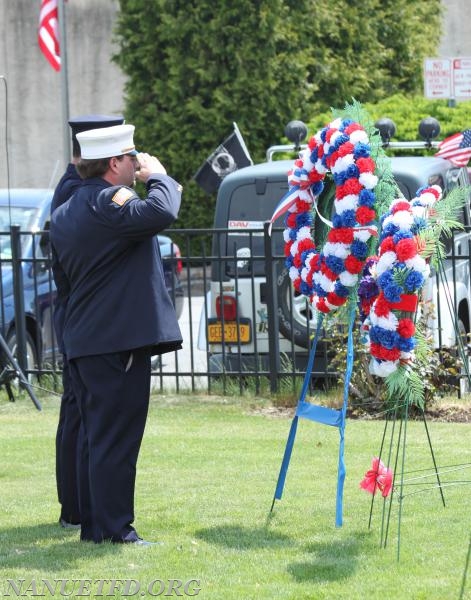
pixel 348 218
pixel 366 198
pixel 387 338
pixel 340 178
pixel 385 279
pixel 374 335
pixel 314 155
pixel 341 290
pixel 345 123
pixel 359 249
pixel 361 150
pixel 393 292
pixel 318 289
pixel 414 281
pixel 342 139
pixel 352 171
pixel 292 234
pixel 317 188
pixel 303 219
pixel 402 235
pixel 335 264
pixel 390 229
pixel 406 344
pixel 305 288
pixel 419 224
pixel 289 261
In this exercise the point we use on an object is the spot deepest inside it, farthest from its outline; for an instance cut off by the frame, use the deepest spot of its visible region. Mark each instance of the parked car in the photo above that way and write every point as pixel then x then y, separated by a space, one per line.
pixel 234 323
pixel 30 209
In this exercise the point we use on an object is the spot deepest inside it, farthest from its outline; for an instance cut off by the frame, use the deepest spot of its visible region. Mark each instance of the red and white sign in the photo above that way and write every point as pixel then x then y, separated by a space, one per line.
pixel 437 78
pixel 447 78
pixel 462 77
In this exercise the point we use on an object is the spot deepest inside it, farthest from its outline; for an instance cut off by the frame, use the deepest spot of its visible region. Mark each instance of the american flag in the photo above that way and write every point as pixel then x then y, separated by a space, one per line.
pixel 456 148
pixel 48 34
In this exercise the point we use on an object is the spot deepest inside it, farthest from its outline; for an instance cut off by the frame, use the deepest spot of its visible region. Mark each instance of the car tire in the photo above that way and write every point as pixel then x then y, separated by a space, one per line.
pixel 31 354
pixel 296 317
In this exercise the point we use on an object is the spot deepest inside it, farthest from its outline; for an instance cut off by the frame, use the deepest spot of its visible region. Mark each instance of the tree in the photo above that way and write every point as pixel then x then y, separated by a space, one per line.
pixel 194 67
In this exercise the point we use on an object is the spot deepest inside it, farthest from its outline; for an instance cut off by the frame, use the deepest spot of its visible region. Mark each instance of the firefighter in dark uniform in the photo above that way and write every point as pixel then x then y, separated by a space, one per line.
pixel 118 315
pixel 69 416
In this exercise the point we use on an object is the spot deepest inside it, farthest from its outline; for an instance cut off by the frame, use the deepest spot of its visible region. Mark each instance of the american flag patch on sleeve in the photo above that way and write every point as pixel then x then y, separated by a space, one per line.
pixel 122 196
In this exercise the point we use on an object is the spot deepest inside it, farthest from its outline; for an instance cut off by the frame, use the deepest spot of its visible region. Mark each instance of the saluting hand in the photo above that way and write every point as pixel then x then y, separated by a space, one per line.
pixel 147 165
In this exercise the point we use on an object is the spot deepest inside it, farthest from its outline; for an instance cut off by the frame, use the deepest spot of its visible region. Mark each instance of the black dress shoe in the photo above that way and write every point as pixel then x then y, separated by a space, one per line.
pixel 133 538
pixel 66 525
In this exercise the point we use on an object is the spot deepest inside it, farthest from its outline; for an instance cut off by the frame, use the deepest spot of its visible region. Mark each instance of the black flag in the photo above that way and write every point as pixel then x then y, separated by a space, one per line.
pixel 229 156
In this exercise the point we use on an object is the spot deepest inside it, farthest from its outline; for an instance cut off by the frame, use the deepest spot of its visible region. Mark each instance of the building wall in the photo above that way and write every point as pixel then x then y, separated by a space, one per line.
pixel 456 39
pixel 31 123
pixel 33 113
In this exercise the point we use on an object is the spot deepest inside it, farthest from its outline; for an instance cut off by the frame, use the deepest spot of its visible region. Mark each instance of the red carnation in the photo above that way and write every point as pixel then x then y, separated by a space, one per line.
pixel 291 220
pixel 298 162
pixel 335 300
pixel 312 142
pixel 346 148
pixel 382 353
pixel 344 235
pixel 305 244
pixel 328 273
pixel 431 191
pixel 405 249
pixel 365 165
pixel 351 128
pixel 297 283
pixel 365 215
pixel 297 261
pixel 315 261
pixel 331 159
pixel 387 245
pixel 321 306
pixel 288 245
pixel 406 328
pixel 302 206
pixel 353 265
pixel 382 308
pixel 352 186
pixel 329 133
pixel 403 205
pixel 315 176
pixel 320 151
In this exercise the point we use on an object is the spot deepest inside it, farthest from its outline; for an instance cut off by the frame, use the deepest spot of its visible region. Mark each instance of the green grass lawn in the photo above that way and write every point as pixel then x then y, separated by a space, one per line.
pixel 206 478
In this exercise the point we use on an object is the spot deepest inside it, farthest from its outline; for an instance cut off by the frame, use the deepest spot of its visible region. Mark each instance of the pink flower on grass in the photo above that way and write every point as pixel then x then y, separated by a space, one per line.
pixel 378 477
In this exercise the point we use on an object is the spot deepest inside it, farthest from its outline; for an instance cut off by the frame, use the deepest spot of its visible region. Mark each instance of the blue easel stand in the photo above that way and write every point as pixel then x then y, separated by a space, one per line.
pixel 321 414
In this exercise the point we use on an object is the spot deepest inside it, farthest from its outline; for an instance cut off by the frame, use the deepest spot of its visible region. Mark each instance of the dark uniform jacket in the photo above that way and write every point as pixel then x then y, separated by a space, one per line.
pixel 67 185
pixel 110 268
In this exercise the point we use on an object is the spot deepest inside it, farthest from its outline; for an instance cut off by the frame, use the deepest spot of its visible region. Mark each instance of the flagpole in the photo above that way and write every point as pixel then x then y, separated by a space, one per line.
pixel 64 83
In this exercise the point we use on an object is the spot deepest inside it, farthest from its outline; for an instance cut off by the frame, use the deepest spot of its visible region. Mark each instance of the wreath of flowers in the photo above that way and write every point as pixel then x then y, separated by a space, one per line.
pixel 399 273
pixel 328 276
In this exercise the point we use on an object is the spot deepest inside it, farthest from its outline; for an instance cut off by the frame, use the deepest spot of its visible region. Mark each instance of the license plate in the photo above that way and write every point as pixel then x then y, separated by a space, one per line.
pixel 234 332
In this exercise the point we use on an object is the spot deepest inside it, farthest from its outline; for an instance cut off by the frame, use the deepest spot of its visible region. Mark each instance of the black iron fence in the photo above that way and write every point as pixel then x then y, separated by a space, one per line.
pixel 241 322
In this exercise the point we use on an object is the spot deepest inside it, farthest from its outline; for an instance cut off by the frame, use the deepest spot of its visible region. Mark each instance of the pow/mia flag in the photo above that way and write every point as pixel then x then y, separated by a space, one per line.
pixel 229 156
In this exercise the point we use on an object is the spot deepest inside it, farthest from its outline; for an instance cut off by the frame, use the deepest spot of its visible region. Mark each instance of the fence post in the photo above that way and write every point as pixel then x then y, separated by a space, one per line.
pixel 18 295
pixel 272 309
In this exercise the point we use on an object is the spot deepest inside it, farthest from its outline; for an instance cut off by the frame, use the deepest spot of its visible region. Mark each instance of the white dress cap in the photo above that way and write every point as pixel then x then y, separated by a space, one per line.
pixel 107 142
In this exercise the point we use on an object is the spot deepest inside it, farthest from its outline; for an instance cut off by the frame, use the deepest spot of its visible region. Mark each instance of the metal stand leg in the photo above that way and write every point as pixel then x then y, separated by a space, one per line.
pixel 21 376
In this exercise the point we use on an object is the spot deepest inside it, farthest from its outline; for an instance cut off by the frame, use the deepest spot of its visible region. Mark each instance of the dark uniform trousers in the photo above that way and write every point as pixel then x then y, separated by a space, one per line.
pixel 113 397
pixel 66 450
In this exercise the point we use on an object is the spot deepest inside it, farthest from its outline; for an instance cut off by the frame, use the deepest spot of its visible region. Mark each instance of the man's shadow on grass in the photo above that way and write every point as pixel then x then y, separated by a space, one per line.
pixel 33 546
pixel 330 561
pixel 246 538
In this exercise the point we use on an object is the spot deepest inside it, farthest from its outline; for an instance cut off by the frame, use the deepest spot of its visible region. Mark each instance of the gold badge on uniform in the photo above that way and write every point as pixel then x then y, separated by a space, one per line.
pixel 122 196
